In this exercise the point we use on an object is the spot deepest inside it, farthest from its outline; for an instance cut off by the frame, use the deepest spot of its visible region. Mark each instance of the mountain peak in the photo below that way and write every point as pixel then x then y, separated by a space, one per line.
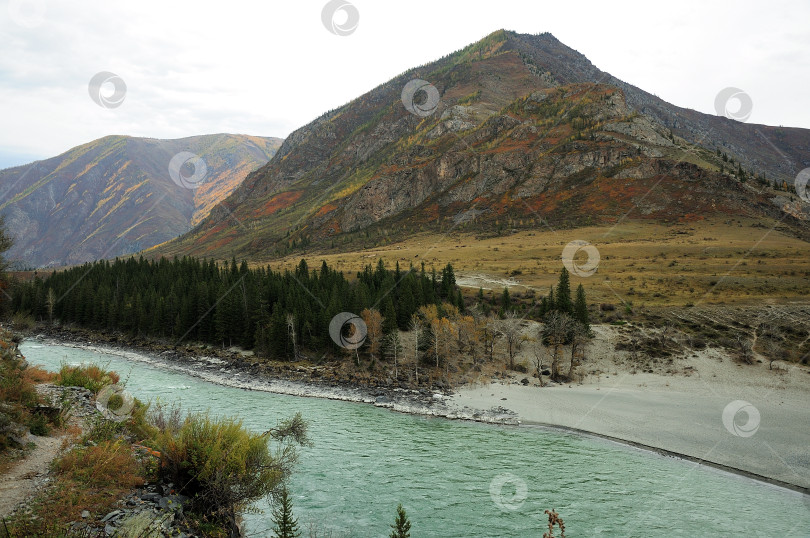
pixel 514 128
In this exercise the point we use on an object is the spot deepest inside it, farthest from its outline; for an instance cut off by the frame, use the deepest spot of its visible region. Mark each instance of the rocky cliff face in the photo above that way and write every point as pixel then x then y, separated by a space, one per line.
pixel 116 195
pixel 513 130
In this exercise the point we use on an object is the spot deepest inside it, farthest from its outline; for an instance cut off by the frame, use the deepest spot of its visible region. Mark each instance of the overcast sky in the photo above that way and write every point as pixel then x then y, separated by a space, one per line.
pixel 267 67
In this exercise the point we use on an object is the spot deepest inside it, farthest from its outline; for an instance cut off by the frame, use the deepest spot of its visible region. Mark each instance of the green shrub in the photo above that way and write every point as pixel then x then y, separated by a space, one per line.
pixel 115 402
pixel 18 396
pixel 222 466
pixel 39 425
pixel 102 429
pixel 23 321
pixel 90 376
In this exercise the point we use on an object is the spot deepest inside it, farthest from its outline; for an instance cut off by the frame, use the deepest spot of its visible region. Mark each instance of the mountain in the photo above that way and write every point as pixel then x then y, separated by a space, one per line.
pixel 525 132
pixel 116 195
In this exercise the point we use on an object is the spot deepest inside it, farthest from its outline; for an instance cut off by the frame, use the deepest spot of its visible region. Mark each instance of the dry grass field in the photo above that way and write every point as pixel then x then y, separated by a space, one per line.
pixel 736 261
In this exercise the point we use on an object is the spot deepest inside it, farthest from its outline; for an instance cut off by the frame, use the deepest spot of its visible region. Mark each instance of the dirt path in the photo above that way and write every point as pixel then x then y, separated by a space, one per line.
pixel 26 475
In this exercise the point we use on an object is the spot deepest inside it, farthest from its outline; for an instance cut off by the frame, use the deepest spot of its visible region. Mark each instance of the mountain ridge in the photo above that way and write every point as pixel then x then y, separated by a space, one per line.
pixel 116 195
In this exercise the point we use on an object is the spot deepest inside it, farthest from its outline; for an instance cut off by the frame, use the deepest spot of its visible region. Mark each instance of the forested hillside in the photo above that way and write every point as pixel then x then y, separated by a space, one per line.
pixel 231 304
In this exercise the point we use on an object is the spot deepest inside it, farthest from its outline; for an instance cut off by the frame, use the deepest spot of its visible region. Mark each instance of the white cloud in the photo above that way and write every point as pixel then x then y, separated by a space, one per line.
pixel 267 67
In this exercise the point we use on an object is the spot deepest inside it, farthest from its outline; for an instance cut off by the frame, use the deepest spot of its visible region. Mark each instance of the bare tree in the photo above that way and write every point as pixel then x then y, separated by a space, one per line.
pixel 746 349
pixel 666 328
pixel 394 347
pixel 50 303
pixel 488 336
pixel 538 354
pixel 510 330
pixel 772 339
pixel 441 332
pixel 556 332
pixel 578 337
pixel 416 326
pixel 292 334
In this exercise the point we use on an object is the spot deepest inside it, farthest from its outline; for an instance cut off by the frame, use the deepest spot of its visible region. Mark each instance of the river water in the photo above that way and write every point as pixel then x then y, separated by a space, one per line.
pixel 458 478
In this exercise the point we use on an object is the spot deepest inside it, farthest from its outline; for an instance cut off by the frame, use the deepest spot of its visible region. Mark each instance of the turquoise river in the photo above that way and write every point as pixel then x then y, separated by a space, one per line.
pixel 458 478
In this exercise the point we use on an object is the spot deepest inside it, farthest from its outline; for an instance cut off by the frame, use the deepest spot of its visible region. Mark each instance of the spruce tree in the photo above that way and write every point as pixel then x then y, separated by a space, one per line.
pixel 581 309
pixel 389 314
pixel 506 302
pixel 564 303
pixel 460 302
pixel 402 525
pixel 286 525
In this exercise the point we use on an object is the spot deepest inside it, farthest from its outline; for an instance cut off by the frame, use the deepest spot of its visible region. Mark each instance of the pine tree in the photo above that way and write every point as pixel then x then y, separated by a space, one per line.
pixel 506 302
pixel 402 525
pixel 389 316
pixel 564 303
pixel 543 306
pixel 286 525
pixel 581 309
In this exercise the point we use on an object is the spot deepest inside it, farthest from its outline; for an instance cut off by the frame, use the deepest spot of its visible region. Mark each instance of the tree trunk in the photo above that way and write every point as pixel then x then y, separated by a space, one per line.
pixel 574 348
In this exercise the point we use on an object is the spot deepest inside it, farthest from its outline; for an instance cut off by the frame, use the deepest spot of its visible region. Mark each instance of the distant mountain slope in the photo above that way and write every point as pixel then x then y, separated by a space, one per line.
pixel 116 195
pixel 525 132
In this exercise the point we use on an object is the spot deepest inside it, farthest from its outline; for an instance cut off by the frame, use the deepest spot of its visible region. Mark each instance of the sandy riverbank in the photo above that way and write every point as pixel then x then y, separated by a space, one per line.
pixel 680 414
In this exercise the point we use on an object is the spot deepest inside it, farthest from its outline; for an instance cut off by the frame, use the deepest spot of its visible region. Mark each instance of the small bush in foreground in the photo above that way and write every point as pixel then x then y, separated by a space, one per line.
pixel 108 462
pixel 86 478
pixel 222 466
pixel 23 321
pixel 39 425
pixel 90 376
pixel 18 396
